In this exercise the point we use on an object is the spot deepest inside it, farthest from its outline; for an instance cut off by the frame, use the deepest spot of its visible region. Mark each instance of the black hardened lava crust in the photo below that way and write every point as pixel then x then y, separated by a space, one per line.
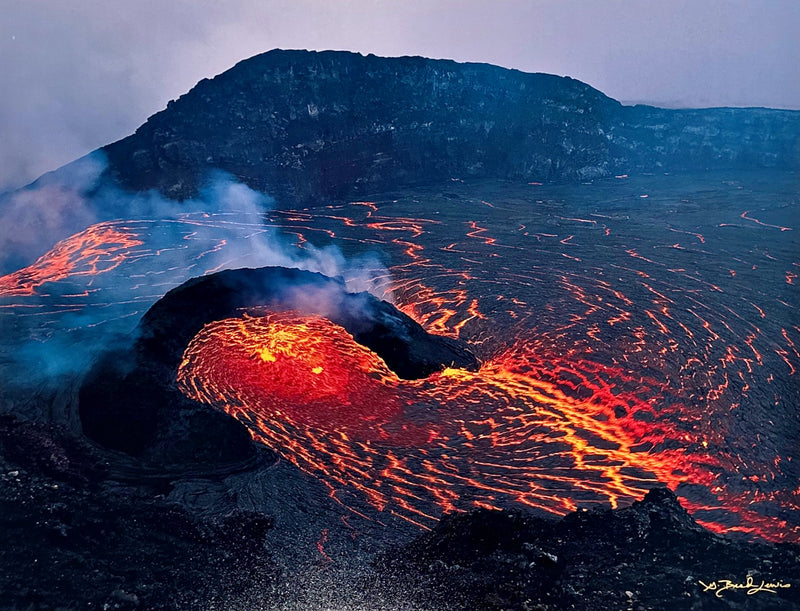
pixel 75 538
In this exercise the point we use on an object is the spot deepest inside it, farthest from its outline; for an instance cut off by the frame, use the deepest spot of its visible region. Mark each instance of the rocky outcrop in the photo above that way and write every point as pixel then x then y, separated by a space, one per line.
pixel 75 539
pixel 167 327
pixel 651 555
pixel 129 401
pixel 312 127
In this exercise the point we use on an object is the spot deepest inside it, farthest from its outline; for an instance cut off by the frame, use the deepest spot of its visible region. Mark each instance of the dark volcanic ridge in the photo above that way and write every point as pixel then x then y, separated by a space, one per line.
pixel 312 127
pixel 129 401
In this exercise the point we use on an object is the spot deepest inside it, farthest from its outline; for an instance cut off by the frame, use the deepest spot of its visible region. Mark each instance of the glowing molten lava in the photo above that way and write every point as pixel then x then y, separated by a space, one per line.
pixel 99 248
pixel 527 428
pixel 621 348
pixel 303 370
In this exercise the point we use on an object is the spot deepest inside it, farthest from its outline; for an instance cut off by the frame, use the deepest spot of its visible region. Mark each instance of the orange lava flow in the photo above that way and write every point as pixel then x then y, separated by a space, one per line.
pixel 301 369
pixel 99 248
pixel 529 427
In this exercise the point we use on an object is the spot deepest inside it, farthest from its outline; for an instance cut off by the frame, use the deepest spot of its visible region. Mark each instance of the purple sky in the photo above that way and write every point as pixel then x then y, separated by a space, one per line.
pixel 76 75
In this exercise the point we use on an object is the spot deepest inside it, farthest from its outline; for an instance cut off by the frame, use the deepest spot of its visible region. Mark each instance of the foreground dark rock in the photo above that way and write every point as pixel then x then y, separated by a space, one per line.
pixel 312 127
pixel 129 402
pixel 74 539
pixel 651 555
pixel 76 536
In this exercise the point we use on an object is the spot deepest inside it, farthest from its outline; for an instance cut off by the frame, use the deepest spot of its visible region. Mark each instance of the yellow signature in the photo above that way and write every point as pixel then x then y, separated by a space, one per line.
pixel 752 587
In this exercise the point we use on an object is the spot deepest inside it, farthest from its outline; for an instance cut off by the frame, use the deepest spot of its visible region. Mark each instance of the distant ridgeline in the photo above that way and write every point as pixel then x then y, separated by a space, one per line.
pixel 309 127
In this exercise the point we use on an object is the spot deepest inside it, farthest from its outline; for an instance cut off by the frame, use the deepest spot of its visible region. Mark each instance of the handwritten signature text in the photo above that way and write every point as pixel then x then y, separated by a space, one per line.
pixel 752 587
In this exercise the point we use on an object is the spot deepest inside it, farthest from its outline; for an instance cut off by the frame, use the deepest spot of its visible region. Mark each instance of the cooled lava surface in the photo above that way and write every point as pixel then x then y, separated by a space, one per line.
pixel 616 350
pixel 616 353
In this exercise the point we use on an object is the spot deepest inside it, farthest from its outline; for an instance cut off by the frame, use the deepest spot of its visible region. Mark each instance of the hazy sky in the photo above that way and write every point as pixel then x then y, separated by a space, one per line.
pixel 77 74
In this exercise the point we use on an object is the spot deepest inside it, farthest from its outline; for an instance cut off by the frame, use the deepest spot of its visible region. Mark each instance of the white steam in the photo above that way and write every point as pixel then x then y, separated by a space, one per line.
pixel 34 218
pixel 62 327
pixel 226 213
